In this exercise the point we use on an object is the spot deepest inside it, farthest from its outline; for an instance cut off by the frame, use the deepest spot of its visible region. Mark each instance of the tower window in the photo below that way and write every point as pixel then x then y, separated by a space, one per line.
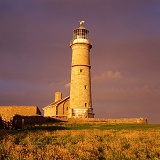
pixel 80 70
pixel 85 104
pixel 85 87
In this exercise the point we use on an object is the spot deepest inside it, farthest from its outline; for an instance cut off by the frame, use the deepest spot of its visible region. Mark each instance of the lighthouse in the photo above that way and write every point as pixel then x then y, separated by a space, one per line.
pixel 80 86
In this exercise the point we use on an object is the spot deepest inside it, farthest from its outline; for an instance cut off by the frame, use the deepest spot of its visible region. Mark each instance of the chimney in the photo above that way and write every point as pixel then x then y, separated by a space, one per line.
pixel 58 96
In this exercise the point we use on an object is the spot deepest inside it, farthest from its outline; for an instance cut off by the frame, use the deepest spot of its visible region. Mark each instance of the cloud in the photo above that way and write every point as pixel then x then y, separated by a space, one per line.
pixel 134 95
pixel 116 88
pixel 127 102
pixel 107 75
pixel 61 85
pixel 64 83
pixel 67 85
pixel 116 77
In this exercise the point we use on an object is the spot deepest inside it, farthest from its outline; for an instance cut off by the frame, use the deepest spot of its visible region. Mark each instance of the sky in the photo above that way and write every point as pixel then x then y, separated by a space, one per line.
pixel 35 57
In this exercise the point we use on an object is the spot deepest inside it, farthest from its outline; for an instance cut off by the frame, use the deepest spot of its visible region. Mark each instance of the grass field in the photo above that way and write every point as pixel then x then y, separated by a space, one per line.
pixel 67 141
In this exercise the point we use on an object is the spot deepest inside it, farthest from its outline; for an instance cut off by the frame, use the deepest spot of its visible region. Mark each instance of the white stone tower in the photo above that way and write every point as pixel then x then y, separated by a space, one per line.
pixel 80 87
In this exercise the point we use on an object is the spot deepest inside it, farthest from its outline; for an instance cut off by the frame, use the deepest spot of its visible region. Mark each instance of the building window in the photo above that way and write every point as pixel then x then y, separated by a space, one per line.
pixel 80 70
pixel 85 87
pixel 85 104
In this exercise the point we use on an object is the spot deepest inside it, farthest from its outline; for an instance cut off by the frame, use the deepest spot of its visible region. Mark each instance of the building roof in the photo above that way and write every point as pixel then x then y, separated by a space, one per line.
pixel 57 102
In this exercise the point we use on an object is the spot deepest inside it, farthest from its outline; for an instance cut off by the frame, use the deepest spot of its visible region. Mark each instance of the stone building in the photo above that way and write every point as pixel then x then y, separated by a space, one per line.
pixel 7 112
pixel 59 108
pixel 79 104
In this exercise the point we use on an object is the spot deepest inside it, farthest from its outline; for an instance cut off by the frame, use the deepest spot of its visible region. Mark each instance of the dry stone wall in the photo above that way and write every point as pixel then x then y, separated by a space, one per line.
pixel 7 112
pixel 19 122
pixel 110 121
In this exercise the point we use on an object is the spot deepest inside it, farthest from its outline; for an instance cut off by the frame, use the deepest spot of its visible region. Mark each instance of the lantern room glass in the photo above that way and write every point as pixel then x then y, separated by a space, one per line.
pixel 80 34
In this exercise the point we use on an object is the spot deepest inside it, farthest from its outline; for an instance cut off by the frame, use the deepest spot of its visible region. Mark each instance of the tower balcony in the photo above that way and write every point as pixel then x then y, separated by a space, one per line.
pixel 81 40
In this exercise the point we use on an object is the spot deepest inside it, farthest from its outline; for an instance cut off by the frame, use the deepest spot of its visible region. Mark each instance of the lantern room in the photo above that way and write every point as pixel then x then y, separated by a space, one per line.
pixel 80 35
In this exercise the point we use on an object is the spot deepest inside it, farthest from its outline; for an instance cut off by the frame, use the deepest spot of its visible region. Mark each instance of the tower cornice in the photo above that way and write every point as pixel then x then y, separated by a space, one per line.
pixel 81 65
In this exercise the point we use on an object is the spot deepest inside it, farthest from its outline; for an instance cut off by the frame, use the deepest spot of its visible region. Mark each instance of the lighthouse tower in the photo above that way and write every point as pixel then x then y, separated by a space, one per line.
pixel 80 87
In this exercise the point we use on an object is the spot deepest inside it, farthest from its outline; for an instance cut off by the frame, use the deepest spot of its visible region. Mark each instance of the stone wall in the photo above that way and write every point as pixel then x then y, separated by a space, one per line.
pixel 57 109
pixel 62 109
pixel 7 112
pixel 110 121
pixel 19 121
pixel 1 122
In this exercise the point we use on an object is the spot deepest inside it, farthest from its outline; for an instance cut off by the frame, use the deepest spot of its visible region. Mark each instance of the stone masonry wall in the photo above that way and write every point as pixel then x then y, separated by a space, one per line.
pixel 80 88
pixel 7 112
pixel 110 121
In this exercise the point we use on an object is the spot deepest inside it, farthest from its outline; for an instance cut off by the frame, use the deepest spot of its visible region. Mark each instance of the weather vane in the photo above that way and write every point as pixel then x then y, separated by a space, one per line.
pixel 81 22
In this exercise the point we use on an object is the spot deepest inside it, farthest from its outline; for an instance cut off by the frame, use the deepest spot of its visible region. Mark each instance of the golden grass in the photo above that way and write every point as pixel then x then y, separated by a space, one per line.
pixel 81 144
